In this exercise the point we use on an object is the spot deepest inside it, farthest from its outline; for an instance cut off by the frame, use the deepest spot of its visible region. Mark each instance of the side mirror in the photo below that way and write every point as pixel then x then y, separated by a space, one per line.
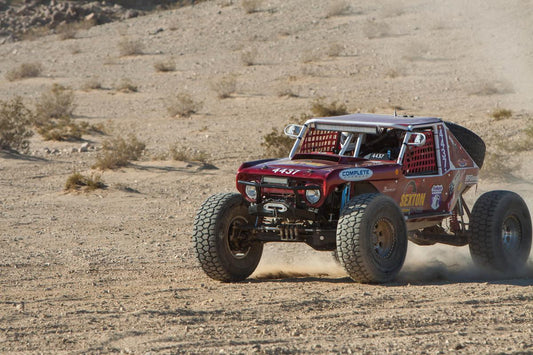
pixel 293 130
pixel 419 141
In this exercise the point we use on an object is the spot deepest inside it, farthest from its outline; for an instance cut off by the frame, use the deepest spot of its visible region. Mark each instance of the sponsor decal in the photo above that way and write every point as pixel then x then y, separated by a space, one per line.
pixel 389 189
pixel 285 171
pixel 445 164
pixel 436 196
pixel 471 179
pixel 412 200
pixel 462 163
pixel 356 174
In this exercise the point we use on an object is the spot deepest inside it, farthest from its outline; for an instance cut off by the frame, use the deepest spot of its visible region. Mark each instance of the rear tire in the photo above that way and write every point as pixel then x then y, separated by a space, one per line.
pixel 472 143
pixel 371 238
pixel 500 232
pixel 225 252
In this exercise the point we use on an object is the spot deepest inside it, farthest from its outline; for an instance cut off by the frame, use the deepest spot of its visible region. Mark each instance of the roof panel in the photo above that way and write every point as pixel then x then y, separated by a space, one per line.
pixel 366 119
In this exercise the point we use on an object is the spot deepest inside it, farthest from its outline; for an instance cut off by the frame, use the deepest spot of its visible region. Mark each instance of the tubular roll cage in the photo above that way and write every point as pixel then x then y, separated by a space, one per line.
pixel 362 128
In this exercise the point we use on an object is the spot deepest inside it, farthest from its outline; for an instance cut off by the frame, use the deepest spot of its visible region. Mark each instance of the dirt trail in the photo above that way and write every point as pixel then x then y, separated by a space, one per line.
pixel 113 270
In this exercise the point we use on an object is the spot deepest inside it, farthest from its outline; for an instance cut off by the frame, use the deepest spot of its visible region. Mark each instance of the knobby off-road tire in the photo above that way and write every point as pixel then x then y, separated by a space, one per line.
pixel 472 143
pixel 500 232
pixel 225 252
pixel 371 238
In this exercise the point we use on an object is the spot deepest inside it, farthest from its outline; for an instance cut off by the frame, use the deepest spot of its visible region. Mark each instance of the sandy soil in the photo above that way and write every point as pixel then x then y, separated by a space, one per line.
pixel 113 270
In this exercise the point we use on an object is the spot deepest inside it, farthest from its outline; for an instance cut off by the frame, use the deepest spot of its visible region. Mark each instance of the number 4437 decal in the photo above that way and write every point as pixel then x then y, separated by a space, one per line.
pixel 285 171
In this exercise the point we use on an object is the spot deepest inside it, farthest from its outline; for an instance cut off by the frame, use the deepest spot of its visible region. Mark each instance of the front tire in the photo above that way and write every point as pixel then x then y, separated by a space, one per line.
pixel 225 251
pixel 371 238
pixel 500 232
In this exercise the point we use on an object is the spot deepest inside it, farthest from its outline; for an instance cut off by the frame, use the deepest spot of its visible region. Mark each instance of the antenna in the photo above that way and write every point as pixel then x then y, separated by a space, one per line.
pixel 395 115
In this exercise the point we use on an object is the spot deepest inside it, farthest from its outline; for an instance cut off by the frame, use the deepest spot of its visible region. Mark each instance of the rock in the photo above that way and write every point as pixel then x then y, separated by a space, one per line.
pixel 84 147
pixel 90 16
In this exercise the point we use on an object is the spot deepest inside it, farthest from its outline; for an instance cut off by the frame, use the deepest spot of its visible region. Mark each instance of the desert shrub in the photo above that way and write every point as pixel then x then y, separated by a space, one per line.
pixel 251 6
pixel 285 90
pixel 118 152
pixel 373 29
pixel 335 49
pixel 77 182
pixel 165 66
pixel 338 8
pixel 24 70
pixel 276 144
pixel 92 84
pixel 249 57
pixel 128 46
pixel 321 109
pixel 15 125
pixel 70 30
pixel 53 116
pixel 501 113
pixel 224 86
pixel 183 105
pixel 181 153
pixel 57 102
pixel 126 86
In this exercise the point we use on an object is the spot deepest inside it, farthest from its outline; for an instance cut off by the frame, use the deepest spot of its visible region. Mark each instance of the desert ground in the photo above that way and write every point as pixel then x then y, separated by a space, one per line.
pixel 113 270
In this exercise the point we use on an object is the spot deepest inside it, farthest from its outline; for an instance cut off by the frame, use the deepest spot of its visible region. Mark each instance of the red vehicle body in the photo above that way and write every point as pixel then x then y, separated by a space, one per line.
pixel 361 185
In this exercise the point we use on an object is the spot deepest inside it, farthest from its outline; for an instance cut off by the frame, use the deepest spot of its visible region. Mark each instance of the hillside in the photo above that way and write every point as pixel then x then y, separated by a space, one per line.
pixel 113 271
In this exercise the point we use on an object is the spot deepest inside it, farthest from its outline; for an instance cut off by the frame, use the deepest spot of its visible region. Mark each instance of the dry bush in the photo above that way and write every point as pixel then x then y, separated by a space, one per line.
pixel 57 102
pixel 165 66
pixel 92 84
pixel 77 182
pixel 310 55
pixel 338 8
pixel 335 49
pixel 118 152
pixel 25 70
pixel 128 46
pixel 321 109
pixel 15 125
pixel 53 116
pixel 183 105
pixel 373 29
pixel 126 86
pixel 224 86
pixel 249 57
pixel 501 113
pixel 181 153
pixel 285 90
pixel 276 143
pixel 251 6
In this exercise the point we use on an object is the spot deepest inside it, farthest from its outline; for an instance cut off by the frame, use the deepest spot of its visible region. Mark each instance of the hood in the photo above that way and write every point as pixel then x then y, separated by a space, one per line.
pixel 321 166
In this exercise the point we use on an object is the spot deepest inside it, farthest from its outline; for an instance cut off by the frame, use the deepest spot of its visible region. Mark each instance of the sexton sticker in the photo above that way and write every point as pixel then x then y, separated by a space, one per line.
pixel 356 174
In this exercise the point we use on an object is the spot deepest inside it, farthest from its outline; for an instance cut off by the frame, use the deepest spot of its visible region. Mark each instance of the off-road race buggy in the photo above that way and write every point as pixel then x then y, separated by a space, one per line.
pixel 362 185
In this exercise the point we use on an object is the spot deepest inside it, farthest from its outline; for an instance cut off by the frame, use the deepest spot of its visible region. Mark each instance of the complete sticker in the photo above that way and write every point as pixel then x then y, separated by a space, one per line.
pixel 356 174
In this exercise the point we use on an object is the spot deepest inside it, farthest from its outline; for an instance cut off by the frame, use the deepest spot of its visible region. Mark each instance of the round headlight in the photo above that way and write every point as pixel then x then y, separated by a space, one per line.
pixel 251 192
pixel 312 196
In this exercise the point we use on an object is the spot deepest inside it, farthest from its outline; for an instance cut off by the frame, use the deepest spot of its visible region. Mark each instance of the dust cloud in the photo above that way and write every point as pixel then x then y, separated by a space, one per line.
pixel 423 264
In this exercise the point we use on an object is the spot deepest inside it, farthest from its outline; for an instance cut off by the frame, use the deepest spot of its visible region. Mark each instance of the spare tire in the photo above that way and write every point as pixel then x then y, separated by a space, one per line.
pixel 472 143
